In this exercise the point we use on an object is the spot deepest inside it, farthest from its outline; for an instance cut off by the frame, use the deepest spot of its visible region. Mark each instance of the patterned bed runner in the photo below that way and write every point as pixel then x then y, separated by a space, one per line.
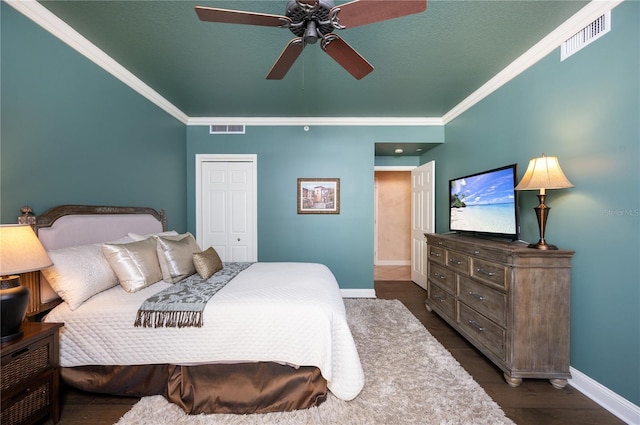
pixel 182 304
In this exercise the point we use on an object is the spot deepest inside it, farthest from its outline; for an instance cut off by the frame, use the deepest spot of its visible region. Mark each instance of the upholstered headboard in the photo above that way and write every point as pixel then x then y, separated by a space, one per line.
pixel 70 225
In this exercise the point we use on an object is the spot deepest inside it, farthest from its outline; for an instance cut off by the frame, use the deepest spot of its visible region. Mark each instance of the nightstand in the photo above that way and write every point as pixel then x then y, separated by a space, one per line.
pixel 30 375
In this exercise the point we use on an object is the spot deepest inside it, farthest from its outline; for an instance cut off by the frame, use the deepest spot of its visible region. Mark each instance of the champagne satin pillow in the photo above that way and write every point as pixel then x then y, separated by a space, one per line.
pixel 175 254
pixel 207 262
pixel 135 264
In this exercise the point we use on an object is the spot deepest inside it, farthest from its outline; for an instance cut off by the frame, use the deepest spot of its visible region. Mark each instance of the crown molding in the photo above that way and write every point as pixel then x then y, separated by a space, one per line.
pixel 56 26
pixel 50 22
pixel 552 41
pixel 316 121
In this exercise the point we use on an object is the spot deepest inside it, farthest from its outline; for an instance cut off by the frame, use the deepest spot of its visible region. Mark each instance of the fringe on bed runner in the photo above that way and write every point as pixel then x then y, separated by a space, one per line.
pixel 168 319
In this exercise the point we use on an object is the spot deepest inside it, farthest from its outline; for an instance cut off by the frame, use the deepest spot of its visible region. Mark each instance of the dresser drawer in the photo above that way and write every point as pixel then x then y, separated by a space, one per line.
pixel 442 301
pixel 29 402
pixel 436 254
pixel 476 250
pixel 443 277
pixel 492 273
pixel 483 330
pixel 26 362
pixel 487 301
pixel 458 261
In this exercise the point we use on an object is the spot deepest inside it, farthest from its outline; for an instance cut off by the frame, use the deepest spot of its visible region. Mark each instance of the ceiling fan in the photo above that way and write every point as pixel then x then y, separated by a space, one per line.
pixel 313 20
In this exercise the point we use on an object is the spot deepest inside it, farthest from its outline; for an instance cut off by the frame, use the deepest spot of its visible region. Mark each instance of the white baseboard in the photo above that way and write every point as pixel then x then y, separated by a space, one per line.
pixel 393 263
pixel 358 293
pixel 617 405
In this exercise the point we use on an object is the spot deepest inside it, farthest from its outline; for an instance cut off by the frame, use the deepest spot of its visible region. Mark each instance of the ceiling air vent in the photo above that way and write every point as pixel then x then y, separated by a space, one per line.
pixel 586 35
pixel 226 129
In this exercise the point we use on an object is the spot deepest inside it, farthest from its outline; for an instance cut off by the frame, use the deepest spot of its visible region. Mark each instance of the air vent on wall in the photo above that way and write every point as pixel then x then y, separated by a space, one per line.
pixel 226 129
pixel 585 36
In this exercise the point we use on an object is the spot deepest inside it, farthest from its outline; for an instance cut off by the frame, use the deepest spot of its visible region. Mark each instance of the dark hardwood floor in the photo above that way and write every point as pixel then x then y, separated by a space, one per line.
pixel 535 402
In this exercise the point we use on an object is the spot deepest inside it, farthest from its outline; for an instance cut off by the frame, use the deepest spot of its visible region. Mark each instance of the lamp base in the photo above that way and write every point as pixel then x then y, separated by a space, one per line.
pixel 12 336
pixel 14 299
pixel 542 212
pixel 542 245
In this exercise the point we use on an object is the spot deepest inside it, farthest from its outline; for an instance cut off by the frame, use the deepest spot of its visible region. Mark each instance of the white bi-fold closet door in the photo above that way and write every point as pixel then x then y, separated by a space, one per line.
pixel 226 205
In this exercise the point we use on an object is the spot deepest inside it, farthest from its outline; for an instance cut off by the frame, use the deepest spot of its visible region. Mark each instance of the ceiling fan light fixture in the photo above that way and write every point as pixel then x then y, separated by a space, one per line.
pixel 310 33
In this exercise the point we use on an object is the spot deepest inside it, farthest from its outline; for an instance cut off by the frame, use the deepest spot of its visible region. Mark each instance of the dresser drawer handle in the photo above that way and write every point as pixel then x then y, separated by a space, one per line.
pixel 439 276
pixel 438 298
pixel 476 252
pixel 20 352
pixel 456 262
pixel 435 254
pixel 476 325
pixel 477 296
pixel 485 272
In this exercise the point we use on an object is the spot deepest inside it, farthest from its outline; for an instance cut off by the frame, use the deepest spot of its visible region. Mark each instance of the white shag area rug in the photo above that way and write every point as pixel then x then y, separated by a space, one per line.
pixel 410 379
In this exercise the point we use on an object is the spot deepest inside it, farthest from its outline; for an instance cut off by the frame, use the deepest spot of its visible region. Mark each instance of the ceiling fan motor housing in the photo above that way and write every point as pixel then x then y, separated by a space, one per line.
pixel 310 21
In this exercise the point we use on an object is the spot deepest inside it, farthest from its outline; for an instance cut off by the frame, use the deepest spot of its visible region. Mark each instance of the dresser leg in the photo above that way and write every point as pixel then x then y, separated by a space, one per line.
pixel 558 383
pixel 513 382
pixel 427 307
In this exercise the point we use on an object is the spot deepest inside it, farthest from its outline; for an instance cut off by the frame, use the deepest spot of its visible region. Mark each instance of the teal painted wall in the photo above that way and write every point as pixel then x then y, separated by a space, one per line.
pixel 584 110
pixel 344 242
pixel 73 134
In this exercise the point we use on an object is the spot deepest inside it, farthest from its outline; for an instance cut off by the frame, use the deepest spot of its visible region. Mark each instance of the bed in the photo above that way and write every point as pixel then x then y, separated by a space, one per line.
pixel 272 337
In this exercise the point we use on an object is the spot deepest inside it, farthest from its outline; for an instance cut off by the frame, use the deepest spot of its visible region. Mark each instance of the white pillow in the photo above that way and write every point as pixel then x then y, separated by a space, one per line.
pixel 175 254
pixel 135 263
pixel 78 273
pixel 137 237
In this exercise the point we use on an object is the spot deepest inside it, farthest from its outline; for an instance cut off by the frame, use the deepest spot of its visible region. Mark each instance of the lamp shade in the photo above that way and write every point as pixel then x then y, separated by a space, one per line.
pixel 544 173
pixel 21 250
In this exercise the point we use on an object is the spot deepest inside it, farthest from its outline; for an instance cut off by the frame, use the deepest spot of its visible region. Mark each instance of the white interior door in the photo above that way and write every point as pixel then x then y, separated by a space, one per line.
pixel 422 218
pixel 226 206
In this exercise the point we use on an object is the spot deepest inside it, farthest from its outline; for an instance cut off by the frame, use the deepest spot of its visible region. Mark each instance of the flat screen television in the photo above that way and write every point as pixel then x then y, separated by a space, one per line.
pixel 486 203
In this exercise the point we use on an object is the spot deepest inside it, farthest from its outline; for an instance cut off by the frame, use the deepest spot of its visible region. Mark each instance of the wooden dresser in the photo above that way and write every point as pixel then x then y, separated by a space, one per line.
pixel 511 302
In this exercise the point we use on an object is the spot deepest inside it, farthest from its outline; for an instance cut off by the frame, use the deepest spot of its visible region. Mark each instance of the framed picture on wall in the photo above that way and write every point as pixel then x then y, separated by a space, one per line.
pixel 318 196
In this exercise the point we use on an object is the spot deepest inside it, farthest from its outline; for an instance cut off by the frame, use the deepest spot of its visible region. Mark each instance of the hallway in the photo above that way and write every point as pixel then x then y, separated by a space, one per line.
pixel 392 273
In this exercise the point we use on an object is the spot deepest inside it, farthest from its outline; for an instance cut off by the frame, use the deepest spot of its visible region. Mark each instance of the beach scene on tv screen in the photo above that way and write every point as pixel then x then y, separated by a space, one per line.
pixel 484 203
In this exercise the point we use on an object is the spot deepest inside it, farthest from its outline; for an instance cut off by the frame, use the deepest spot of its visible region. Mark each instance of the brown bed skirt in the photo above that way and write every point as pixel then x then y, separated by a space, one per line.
pixel 240 388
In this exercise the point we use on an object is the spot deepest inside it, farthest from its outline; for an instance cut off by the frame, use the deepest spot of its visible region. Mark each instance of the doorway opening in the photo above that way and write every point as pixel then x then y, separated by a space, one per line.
pixel 392 248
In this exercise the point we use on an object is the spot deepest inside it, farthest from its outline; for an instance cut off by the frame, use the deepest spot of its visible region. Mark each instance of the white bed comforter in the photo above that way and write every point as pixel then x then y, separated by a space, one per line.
pixel 284 312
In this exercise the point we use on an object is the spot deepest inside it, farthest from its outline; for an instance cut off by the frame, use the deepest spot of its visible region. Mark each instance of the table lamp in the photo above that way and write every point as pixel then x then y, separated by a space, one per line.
pixel 543 173
pixel 20 252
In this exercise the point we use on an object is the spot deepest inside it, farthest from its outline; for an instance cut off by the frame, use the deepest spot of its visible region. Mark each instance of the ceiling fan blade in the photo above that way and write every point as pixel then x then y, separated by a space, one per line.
pixel 363 12
pixel 346 56
pixel 286 59
pixel 211 14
